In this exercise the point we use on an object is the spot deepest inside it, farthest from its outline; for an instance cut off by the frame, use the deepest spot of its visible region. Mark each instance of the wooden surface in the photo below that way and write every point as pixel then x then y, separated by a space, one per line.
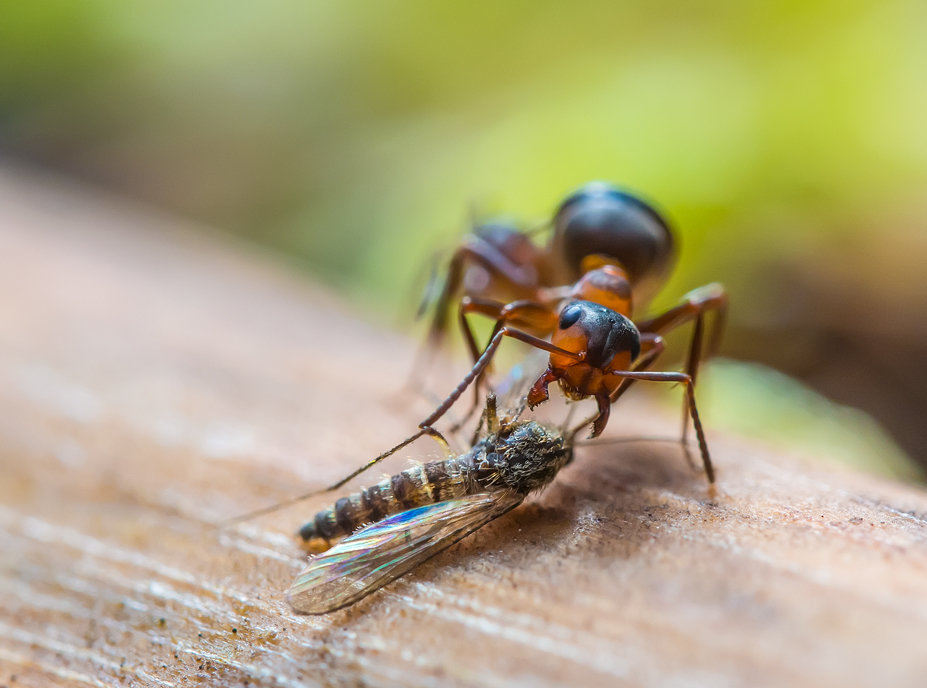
pixel 154 381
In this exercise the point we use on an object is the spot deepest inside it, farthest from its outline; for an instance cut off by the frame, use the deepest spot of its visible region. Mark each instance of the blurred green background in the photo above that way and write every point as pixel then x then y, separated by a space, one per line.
pixel 786 141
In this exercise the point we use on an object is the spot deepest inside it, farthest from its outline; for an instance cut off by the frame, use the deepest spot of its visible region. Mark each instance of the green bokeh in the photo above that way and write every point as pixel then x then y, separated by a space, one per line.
pixel 357 138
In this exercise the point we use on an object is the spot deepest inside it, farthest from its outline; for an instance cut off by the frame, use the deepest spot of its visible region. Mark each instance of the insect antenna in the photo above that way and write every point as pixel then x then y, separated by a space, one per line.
pixel 631 440
pixel 263 511
pixel 427 430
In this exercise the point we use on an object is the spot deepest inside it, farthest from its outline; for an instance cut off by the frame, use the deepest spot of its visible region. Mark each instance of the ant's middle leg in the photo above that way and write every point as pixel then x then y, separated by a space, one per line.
pixel 696 304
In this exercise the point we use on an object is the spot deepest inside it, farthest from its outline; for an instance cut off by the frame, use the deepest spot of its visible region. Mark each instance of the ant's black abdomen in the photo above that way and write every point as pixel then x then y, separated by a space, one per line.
pixel 601 220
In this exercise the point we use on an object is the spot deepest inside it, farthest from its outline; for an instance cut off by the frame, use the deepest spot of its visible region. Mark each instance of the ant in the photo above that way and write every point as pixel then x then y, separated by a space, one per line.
pixel 608 250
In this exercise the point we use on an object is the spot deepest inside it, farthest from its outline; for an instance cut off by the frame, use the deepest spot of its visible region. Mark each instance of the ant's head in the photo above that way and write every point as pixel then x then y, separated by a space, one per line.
pixel 601 333
pixel 603 223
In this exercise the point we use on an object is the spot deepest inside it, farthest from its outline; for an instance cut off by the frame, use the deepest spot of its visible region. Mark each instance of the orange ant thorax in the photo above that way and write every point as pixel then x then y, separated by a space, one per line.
pixel 608 286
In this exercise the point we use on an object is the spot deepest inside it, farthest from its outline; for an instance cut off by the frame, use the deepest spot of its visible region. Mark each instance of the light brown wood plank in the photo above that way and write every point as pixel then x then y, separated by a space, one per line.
pixel 155 380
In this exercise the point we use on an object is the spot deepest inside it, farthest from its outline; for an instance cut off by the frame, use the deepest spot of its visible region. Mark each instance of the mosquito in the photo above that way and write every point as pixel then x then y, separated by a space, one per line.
pixel 386 530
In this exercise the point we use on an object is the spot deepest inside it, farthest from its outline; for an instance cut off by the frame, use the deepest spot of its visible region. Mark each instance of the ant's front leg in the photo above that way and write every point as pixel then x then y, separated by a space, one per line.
pixel 695 305
pixel 652 345
pixel 689 383
pixel 537 317
pixel 488 307
pixel 483 363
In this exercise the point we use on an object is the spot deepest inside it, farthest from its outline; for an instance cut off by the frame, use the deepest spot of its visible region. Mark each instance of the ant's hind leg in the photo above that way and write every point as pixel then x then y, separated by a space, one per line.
pixel 652 346
pixel 501 252
pixel 482 251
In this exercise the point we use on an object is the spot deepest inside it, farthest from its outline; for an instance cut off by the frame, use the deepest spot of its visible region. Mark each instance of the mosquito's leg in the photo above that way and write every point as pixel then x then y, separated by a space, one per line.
pixel 491 415
pixel 426 426
pixel 424 429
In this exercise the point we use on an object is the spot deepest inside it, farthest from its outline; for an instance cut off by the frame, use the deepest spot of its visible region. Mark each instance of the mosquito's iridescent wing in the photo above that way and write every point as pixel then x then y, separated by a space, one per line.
pixel 511 389
pixel 381 552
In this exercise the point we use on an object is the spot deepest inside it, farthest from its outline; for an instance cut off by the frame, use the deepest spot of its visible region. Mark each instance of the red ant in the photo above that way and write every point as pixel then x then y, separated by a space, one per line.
pixel 608 249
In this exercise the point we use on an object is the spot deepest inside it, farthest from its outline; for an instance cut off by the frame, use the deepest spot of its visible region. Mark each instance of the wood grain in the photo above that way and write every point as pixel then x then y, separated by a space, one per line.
pixel 155 380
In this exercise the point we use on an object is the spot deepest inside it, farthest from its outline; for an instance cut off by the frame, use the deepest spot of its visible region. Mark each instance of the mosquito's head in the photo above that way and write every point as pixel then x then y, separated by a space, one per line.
pixel 532 454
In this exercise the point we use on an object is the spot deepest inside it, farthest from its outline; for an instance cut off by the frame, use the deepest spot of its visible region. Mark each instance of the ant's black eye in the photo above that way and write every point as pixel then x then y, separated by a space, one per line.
pixel 570 315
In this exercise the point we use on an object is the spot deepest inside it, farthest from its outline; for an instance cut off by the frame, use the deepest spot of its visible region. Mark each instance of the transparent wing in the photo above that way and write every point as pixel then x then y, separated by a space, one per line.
pixel 512 388
pixel 380 553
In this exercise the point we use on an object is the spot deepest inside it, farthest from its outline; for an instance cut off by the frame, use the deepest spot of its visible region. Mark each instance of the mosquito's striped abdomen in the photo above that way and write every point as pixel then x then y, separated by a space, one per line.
pixel 523 458
pixel 428 483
